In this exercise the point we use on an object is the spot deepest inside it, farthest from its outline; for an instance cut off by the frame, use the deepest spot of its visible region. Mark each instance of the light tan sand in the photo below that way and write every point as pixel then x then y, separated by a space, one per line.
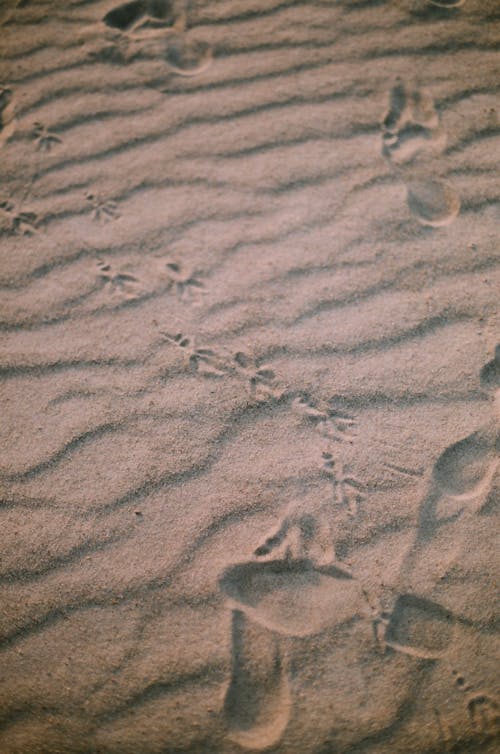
pixel 250 376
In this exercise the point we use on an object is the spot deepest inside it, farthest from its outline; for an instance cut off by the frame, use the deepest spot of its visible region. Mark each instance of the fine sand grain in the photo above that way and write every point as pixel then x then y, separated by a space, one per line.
pixel 249 377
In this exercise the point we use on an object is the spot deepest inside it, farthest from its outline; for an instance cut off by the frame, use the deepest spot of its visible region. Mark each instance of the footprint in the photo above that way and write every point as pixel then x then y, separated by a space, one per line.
pixel 446 732
pixel 120 283
pixel 189 289
pixel 412 139
pixel 411 125
pixel 294 597
pixel 257 702
pixel 484 714
pixel 205 361
pixel 188 58
pixel 466 468
pixel 348 492
pixel 15 223
pixel 260 379
pixel 300 536
pixel 44 138
pixel 7 122
pixel 129 15
pixel 330 423
pixel 433 202
pixel 482 708
pixel 419 627
pixel 103 211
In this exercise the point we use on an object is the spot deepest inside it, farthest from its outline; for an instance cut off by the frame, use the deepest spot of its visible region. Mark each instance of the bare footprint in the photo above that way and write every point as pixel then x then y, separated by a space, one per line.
pixel 411 125
pixel 7 122
pixel 294 597
pixel 433 202
pixel 257 702
pixel 466 468
pixel 188 58
pixel 412 139
pixel 419 627
pixel 140 13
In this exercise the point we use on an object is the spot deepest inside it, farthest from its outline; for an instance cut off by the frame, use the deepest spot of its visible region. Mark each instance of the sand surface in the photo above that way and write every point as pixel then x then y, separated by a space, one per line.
pixel 250 376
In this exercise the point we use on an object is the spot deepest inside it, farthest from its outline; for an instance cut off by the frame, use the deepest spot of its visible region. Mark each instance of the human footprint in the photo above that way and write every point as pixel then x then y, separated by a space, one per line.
pixel 412 141
pixel 456 532
pixel 143 15
pixel 433 202
pixel 257 700
pixel 276 597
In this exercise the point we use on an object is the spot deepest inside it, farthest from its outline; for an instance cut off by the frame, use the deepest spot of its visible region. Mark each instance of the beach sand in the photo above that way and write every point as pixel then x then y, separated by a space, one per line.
pixel 250 376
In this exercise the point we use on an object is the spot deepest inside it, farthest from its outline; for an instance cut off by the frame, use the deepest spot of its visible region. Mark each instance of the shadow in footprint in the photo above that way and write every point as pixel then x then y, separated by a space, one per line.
pixel 419 627
pixel 156 12
pixel 123 17
pixel 466 468
pixel 258 701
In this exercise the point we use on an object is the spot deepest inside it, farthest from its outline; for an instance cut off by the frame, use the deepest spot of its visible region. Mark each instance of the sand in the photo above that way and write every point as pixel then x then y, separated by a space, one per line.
pixel 250 376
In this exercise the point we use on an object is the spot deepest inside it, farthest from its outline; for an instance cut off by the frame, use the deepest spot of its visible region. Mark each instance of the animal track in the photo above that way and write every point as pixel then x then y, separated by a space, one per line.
pixel 15 223
pixel 260 380
pixel 44 138
pixel 188 288
pixel 120 283
pixel 412 138
pixel 7 122
pixel 206 361
pixel 103 211
pixel 348 492
pixel 330 423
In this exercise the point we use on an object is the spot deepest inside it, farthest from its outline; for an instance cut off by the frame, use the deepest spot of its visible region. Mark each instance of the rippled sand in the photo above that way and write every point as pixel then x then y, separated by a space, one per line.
pixel 250 376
